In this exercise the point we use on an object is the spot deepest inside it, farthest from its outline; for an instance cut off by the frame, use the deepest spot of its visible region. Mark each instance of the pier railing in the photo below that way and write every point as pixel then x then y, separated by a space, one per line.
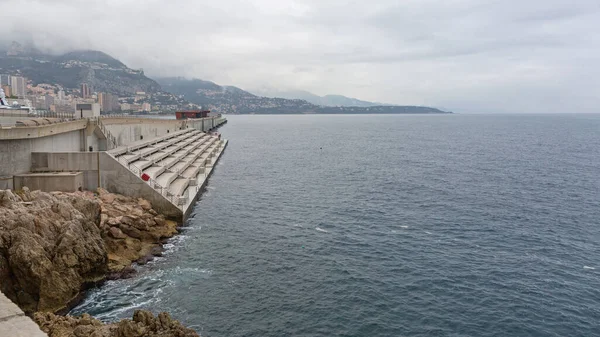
pixel 179 201
pixel 111 141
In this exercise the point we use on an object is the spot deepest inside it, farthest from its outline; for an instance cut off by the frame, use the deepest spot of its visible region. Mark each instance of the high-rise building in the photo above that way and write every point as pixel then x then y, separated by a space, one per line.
pixel 7 90
pixel 61 95
pixel 85 90
pixel 108 102
pixel 49 101
pixel 4 79
pixel 101 99
pixel 18 85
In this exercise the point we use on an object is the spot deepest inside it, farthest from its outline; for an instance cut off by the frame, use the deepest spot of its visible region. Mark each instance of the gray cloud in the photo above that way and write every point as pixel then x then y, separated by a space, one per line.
pixel 464 55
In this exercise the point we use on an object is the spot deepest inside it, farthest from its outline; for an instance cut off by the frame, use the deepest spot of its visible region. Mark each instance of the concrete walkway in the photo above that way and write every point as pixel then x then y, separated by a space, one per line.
pixel 14 323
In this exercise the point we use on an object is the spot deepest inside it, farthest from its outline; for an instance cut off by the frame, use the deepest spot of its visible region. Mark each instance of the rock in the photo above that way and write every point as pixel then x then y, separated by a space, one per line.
pixel 144 259
pixel 108 198
pixel 160 220
pixel 128 272
pixel 157 251
pixel 144 324
pixel 131 231
pixel 54 243
pixel 7 197
pixel 116 233
pixel 125 273
pixel 51 247
pixel 145 204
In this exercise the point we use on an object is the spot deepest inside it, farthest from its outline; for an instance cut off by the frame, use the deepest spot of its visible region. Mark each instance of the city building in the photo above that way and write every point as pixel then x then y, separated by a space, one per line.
pixel 85 110
pixel 86 92
pixel 49 101
pixel 62 108
pixel 146 107
pixel 18 85
pixel 7 90
pixel 108 102
pixel 101 97
pixel 4 79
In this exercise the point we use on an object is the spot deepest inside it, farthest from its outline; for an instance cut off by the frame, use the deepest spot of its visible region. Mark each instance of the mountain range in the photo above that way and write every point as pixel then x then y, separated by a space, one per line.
pixel 327 100
pixel 229 99
pixel 107 74
pixel 99 70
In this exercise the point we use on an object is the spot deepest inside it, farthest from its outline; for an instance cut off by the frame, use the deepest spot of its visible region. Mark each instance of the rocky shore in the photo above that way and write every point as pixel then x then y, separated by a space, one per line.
pixel 144 324
pixel 55 245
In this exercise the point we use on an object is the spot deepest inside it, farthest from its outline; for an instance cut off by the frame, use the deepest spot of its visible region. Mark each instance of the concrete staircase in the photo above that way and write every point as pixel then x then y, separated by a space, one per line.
pixel 176 165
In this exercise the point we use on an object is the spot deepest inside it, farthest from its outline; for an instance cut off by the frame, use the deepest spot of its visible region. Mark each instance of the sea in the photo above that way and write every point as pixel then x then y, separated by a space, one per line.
pixel 386 225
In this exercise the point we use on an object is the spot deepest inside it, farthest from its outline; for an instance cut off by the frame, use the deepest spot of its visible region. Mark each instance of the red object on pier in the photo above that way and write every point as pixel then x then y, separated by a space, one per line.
pixel 191 114
pixel 145 177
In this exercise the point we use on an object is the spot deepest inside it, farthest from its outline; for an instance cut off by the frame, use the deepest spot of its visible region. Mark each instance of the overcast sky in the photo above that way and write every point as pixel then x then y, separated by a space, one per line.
pixel 463 55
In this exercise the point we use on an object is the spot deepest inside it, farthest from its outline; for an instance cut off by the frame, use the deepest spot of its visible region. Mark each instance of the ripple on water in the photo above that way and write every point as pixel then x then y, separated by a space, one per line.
pixel 399 226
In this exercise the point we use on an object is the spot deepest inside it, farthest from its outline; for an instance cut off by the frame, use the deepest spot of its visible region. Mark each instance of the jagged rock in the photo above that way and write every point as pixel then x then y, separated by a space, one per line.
pixel 145 259
pixel 145 204
pixel 125 273
pixel 144 324
pixel 116 233
pixel 54 243
pixel 131 231
pixel 157 251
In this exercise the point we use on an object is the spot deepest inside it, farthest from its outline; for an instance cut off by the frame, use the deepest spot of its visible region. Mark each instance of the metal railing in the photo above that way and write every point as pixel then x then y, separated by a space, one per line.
pixel 151 181
pixel 111 141
pixel 179 201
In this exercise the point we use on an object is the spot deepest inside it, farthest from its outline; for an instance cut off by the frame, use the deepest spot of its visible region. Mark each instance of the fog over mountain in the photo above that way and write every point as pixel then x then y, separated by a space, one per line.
pixel 327 100
pixel 464 55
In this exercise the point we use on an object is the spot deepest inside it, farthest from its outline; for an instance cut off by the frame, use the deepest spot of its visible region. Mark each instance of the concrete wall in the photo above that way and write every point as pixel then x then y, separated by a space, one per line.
pixel 48 182
pixel 9 121
pixel 128 130
pixel 15 155
pixel 14 323
pixel 86 162
pixel 116 178
pixel 17 143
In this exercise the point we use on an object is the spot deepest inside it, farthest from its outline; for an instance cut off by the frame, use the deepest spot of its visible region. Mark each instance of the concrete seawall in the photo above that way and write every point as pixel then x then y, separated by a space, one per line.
pixel 177 155
pixel 17 143
pixel 14 323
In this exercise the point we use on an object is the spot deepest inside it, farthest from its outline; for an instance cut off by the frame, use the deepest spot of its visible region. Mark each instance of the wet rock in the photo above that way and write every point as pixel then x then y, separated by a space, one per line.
pixel 144 324
pixel 157 251
pixel 125 273
pixel 144 259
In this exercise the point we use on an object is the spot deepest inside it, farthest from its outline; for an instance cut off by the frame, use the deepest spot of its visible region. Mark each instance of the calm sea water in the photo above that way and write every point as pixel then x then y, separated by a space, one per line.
pixel 453 225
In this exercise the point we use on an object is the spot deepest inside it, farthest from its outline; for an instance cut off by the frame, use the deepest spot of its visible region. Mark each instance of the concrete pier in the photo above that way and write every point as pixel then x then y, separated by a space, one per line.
pixel 14 323
pixel 167 162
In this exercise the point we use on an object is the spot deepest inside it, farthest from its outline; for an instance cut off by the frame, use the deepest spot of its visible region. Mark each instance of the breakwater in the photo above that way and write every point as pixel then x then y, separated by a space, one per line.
pixel 58 237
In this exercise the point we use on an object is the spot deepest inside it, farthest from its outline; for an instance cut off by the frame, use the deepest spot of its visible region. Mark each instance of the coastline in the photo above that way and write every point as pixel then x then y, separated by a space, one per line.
pixel 54 246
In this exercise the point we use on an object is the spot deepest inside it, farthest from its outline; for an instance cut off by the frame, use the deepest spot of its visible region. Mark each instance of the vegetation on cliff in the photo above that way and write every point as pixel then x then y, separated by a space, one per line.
pixel 100 71
pixel 228 99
